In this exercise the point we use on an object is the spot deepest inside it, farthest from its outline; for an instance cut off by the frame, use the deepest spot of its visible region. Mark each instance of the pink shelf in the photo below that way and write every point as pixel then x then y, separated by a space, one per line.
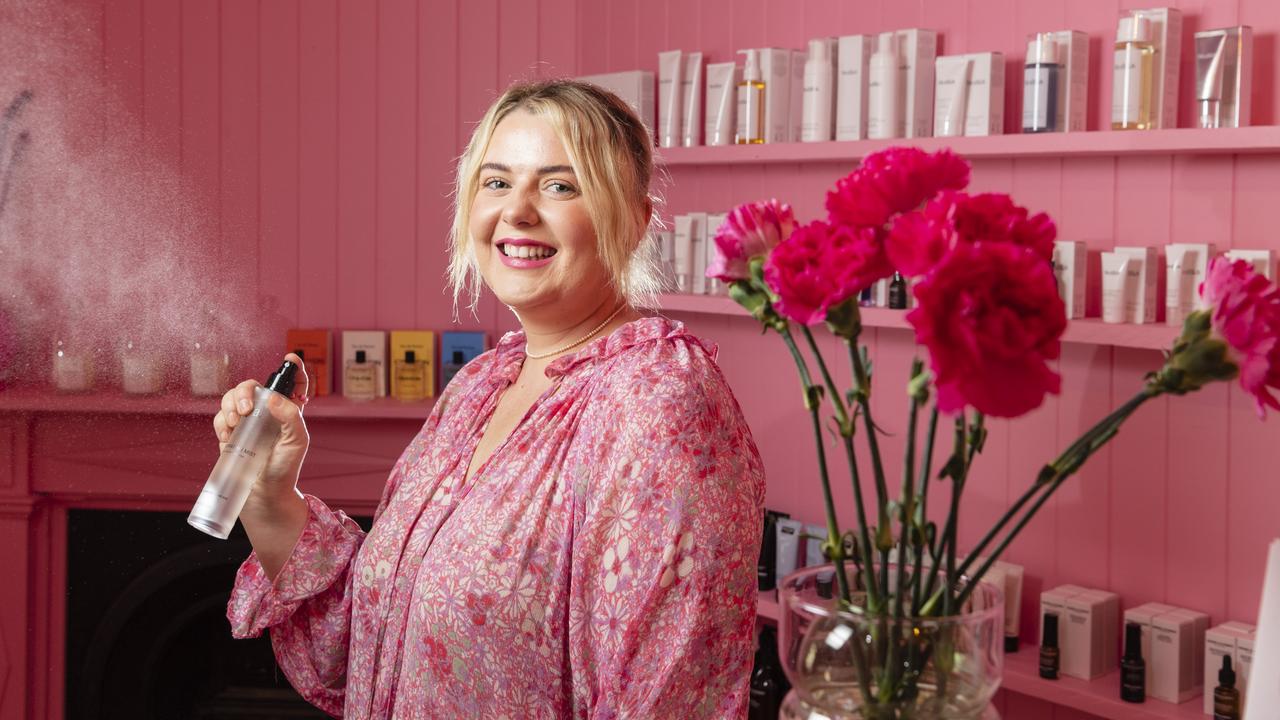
pixel 768 608
pixel 1099 697
pixel 42 400
pixel 1183 141
pixel 1088 332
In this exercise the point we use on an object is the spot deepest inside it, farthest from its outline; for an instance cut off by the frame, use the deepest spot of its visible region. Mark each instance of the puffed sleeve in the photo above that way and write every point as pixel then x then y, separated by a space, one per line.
pixel 667 535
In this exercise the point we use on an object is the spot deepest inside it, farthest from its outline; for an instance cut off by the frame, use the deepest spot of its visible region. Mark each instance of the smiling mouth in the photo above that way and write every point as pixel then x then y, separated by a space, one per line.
pixel 526 252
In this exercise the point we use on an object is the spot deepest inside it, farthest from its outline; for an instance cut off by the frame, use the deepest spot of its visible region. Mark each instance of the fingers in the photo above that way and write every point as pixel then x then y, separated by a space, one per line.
pixel 301 383
pixel 236 403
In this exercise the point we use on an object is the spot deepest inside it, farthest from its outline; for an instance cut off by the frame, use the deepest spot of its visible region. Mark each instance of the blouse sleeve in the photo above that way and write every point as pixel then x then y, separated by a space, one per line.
pixel 663 589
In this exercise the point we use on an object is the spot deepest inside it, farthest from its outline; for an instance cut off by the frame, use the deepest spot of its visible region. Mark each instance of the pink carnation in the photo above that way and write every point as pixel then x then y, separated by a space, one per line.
pixel 751 230
pixel 893 181
pixel 920 239
pixel 821 266
pixel 991 318
pixel 1245 312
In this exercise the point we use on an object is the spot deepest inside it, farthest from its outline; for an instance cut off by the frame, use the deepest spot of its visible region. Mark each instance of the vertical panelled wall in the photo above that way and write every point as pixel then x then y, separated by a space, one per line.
pixel 325 132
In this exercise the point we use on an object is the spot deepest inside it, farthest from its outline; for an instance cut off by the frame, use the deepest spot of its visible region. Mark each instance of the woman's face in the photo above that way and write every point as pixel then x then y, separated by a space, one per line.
pixel 535 243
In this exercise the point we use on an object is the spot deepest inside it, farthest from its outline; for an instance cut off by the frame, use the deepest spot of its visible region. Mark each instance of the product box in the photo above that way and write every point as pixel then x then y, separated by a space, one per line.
pixel 795 113
pixel 698 251
pixel 316 349
pixel 636 88
pixel 790 534
pixel 1055 601
pixel 979 106
pixel 918 50
pixel 1073 84
pixel 1177 658
pixel 413 354
pixel 1070 260
pixel 1143 615
pixel 1224 77
pixel 852 55
pixel 1244 661
pixel 714 221
pixel 1263 261
pixel 1144 277
pixel 1090 634
pixel 374 345
pixel 1186 266
pixel 1166 36
pixel 457 348
pixel 1223 640
pixel 775 72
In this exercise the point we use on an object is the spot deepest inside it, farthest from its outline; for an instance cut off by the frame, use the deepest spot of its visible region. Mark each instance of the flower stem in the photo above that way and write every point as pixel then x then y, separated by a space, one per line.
pixel 842 415
pixel 922 509
pixel 862 391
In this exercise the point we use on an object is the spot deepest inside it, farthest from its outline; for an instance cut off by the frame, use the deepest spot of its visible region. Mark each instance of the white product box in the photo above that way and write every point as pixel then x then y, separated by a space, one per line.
pixel 1091 634
pixel 775 72
pixel 636 88
pixel 665 242
pixel 374 345
pixel 796 105
pixel 683 239
pixel 1244 658
pixel 1070 260
pixel 1166 36
pixel 1073 84
pixel 1143 265
pixel 1143 615
pixel 853 53
pixel 714 221
pixel 918 49
pixel 1223 640
pixel 1182 281
pixel 984 111
pixel 1055 601
pixel 1264 261
pixel 1177 656
pixel 698 251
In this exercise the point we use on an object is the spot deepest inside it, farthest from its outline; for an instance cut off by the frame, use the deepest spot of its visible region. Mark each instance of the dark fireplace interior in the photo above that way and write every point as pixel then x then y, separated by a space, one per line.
pixel 147 633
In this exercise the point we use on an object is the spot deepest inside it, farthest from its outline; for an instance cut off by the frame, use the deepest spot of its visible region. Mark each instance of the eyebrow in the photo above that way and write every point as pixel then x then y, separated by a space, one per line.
pixel 549 170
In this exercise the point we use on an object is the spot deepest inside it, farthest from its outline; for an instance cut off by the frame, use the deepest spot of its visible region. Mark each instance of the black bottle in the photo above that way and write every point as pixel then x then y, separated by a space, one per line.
pixel 1049 650
pixel 1226 698
pixel 1133 669
pixel 767 566
pixel 768 684
pixel 898 292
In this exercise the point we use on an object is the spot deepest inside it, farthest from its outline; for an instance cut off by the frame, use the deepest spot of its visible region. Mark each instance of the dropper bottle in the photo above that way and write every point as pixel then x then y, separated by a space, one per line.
pixel 750 102
pixel 243 460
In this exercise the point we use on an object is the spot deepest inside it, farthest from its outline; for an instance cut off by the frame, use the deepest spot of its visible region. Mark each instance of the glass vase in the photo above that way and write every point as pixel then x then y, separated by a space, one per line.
pixel 847 664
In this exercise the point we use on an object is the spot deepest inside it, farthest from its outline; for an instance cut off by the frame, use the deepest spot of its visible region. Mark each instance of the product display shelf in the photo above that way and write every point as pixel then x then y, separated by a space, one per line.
pixel 1099 697
pixel 1089 331
pixel 768 608
pixel 114 402
pixel 1180 141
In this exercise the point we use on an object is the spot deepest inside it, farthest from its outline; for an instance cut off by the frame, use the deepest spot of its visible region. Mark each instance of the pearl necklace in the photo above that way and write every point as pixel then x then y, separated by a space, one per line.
pixel 575 343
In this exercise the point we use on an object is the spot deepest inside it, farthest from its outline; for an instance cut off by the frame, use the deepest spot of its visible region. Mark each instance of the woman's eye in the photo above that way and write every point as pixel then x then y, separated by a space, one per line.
pixel 495 184
pixel 561 188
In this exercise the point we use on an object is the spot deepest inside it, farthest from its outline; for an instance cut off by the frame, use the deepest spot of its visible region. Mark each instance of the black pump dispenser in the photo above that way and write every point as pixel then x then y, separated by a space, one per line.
pixel 282 380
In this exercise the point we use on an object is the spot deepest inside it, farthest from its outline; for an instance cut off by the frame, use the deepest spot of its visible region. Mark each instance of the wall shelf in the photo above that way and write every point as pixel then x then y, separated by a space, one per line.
pixel 767 609
pixel 114 402
pixel 1181 141
pixel 1099 697
pixel 1090 331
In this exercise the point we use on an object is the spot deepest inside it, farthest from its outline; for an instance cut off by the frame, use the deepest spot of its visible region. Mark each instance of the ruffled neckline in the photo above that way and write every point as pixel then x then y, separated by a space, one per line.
pixel 509 353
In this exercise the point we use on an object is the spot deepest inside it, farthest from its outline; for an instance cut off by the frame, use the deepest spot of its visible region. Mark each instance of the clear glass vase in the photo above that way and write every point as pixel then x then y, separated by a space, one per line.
pixel 848 664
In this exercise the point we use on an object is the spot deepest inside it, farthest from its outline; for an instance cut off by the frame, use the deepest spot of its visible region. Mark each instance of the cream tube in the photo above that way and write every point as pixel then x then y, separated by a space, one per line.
pixel 1116 297
pixel 883 116
pixel 1180 291
pixel 721 103
pixel 670 79
pixel 684 252
pixel 691 128
pixel 1210 51
pixel 952 95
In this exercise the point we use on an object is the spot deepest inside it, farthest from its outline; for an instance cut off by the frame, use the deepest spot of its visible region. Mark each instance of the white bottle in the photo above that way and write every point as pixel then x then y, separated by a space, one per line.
pixel 750 102
pixel 883 109
pixel 819 95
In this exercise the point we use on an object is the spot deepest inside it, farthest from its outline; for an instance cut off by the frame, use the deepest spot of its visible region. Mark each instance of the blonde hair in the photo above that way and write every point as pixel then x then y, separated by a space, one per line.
pixel 610 150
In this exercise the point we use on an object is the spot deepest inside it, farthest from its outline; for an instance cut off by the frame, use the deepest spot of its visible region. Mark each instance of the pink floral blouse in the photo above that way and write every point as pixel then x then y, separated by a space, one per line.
pixel 601 564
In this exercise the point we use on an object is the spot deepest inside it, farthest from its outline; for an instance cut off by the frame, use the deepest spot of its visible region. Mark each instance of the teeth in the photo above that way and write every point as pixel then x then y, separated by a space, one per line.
pixel 527 252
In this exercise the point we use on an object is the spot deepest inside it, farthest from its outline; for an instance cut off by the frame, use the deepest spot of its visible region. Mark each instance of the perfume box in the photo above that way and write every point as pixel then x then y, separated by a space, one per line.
pixel 316 349
pixel 422 345
pixel 457 348
pixel 374 345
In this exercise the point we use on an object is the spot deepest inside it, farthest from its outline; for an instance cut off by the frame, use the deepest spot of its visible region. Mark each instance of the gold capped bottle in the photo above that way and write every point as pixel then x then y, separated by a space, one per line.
pixel 1132 83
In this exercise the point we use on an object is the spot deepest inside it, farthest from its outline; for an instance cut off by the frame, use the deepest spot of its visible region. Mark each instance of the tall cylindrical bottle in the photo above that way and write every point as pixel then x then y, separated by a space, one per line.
pixel 1131 85
pixel 750 102
pixel 243 460
pixel 1041 78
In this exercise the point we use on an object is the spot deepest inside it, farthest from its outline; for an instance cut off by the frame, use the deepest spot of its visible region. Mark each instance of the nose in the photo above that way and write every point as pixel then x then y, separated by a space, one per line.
pixel 520 210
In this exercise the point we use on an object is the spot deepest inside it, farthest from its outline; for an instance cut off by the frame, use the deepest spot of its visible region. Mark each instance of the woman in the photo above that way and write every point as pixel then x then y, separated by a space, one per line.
pixel 574 532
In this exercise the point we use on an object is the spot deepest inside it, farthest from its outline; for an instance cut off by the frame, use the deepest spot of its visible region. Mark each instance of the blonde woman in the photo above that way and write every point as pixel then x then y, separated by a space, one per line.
pixel 574 532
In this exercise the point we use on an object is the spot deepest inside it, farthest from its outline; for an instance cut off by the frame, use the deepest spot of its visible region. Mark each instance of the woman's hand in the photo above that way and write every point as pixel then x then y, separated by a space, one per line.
pixel 281 474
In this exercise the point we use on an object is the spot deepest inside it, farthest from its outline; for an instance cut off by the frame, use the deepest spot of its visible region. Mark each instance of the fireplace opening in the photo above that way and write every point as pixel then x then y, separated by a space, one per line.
pixel 147 633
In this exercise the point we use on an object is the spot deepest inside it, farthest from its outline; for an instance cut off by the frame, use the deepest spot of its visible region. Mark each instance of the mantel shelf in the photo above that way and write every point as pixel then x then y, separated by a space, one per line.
pixel 1099 697
pixel 1089 331
pixel 44 400
pixel 1181 141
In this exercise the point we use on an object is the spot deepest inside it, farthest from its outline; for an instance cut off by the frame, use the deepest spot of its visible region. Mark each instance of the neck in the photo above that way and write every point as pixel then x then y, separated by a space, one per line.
pixel 545 334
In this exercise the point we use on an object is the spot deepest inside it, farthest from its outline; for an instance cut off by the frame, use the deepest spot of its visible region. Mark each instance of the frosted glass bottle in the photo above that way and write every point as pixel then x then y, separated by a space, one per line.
pixel 1131 86
pixel 1041 77
pixel 243 460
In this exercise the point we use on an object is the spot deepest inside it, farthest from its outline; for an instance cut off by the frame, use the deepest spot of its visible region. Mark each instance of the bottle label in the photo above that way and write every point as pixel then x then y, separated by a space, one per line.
pixel 1035 98
pixel 1126 90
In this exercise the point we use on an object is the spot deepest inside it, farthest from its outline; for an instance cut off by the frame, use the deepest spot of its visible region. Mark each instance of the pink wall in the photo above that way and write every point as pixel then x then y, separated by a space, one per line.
pixel 325 131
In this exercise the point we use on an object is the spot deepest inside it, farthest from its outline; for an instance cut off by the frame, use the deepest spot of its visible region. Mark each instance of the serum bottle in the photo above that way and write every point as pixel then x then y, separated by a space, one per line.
pixel 243 460
pixel 750 102
pixel 1133 669
pixel 1040 81
pixel 1131 85
pixel 898 292
pixel 1226 698
pixel 1049 655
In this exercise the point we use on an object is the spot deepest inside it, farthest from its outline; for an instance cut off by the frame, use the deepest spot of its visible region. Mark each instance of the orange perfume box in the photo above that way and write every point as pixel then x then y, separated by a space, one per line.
pixel 316 349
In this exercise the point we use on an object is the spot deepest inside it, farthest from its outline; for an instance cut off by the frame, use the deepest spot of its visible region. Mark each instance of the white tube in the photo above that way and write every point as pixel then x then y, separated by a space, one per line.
pixel 1116 299
pixel 819 94
pixel 692 90
pixel 1210 50
pixel 721 103
pixel 952 96
pixel 1180 265
pixel 684 252
pixel 883 115
pixel 669 98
